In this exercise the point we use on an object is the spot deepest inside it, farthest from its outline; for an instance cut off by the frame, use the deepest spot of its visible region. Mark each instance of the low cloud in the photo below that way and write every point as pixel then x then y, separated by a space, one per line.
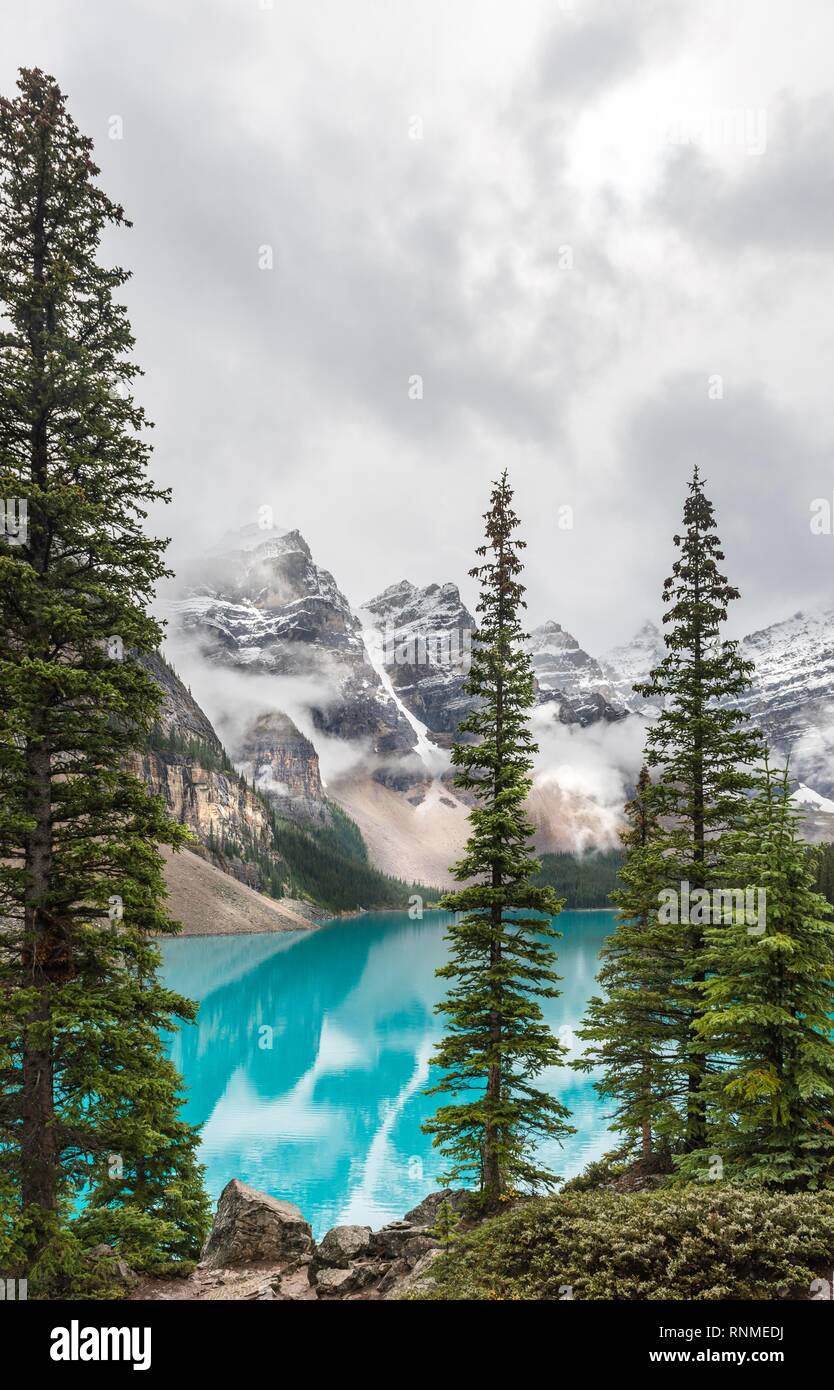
pixel 583 777
pixel 234 698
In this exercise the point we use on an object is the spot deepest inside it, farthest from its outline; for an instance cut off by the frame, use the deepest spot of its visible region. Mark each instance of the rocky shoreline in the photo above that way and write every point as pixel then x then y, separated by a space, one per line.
pixel 261 1249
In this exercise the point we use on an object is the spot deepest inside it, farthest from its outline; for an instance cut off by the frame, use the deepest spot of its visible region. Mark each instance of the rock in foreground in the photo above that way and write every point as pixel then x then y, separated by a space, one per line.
pixel 262 1249
pixel 251 1228
pixel 343 1244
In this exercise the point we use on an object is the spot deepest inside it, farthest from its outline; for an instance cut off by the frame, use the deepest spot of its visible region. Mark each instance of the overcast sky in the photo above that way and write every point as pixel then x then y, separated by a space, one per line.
pixel 570 220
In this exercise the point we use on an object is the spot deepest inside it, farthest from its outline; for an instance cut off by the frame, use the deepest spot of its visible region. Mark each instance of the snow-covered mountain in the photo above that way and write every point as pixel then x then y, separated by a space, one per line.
pixel 817 813
pixel 567 676
pixel 424 637
pixel 791 697
pixel 377 693
pixel 804 796
pixel 624 666
pixel 260 605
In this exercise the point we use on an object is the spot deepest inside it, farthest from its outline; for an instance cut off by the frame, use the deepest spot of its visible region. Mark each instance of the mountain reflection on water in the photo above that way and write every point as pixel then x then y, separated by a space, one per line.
pixel 308 1063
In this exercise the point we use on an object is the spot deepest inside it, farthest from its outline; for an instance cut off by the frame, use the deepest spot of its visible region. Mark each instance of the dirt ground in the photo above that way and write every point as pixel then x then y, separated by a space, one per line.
pixel 211 903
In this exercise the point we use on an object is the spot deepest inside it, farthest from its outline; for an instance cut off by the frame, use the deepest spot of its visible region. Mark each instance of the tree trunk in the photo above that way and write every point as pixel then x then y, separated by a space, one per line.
pixel 39 1157
pixel 493 1178
pixel 647 1124
pixel 39 1150
pixel 695 1113
pixel 647 1138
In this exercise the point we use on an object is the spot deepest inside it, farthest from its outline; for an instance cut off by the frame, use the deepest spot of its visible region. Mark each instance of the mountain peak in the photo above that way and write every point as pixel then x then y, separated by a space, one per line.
pixel 408 603
pixel 249 537
pixel 395 593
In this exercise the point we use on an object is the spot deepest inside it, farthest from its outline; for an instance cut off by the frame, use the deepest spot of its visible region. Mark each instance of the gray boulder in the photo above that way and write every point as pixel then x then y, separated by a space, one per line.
pixel 358 1280
pixel 425 1213
pixel 394 1275
pixel 417 1281
pixel 343 1244
pixel 389 1243
pixel 335 1282
pixel 251 1227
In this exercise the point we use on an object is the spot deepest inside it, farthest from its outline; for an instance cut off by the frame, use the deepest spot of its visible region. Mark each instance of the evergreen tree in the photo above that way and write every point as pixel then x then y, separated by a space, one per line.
pixel 446 1224
pixel 702 745
pixel 582 880
pixel 501 958
pixel 145 1197
pixel 767 1005
pixel 85 1084
pixel 638 1027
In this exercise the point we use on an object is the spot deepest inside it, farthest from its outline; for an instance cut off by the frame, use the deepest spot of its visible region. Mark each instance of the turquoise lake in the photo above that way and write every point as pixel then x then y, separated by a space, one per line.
pixel 329 1116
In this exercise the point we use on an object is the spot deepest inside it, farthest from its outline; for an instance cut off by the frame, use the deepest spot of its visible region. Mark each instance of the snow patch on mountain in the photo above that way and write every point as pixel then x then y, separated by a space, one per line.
pixel 792 694
pixel 425 637
pixel 627 665
pixel 806 796
pixel 435 760
pixel 569 679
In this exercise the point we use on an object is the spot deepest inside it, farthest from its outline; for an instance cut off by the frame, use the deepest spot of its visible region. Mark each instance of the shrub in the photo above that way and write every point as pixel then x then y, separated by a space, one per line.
pixel 685 1243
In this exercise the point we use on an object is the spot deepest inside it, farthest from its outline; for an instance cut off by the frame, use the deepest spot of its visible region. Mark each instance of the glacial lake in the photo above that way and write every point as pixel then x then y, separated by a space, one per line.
pixel 329 1115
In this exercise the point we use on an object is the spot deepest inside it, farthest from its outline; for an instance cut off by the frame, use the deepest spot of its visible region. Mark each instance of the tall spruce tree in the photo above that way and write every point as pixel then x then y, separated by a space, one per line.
pixel 767 1007
pixel 702 746
pixel 88 1099
pixel 638 1028
pixel 501 959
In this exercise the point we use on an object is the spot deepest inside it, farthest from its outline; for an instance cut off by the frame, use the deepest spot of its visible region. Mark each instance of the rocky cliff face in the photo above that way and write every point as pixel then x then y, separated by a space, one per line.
pixel 284 766
pixel 216 806
pixel 424 640
pixel 571 679
pixel 185 763
pixel 179 711
pixel 792 696
pixel 261 605
pixel 266 823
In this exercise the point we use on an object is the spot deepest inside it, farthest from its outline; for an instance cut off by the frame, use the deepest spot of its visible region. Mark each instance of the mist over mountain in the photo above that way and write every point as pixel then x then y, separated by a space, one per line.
pixel 316 699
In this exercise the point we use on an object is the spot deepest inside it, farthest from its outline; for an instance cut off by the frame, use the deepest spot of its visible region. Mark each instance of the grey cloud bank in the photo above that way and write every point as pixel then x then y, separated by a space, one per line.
pixel 443 256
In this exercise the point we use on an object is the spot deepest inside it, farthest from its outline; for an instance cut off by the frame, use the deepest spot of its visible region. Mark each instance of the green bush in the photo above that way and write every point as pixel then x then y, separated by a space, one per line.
pixel 64 1268
pixel 687 1243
